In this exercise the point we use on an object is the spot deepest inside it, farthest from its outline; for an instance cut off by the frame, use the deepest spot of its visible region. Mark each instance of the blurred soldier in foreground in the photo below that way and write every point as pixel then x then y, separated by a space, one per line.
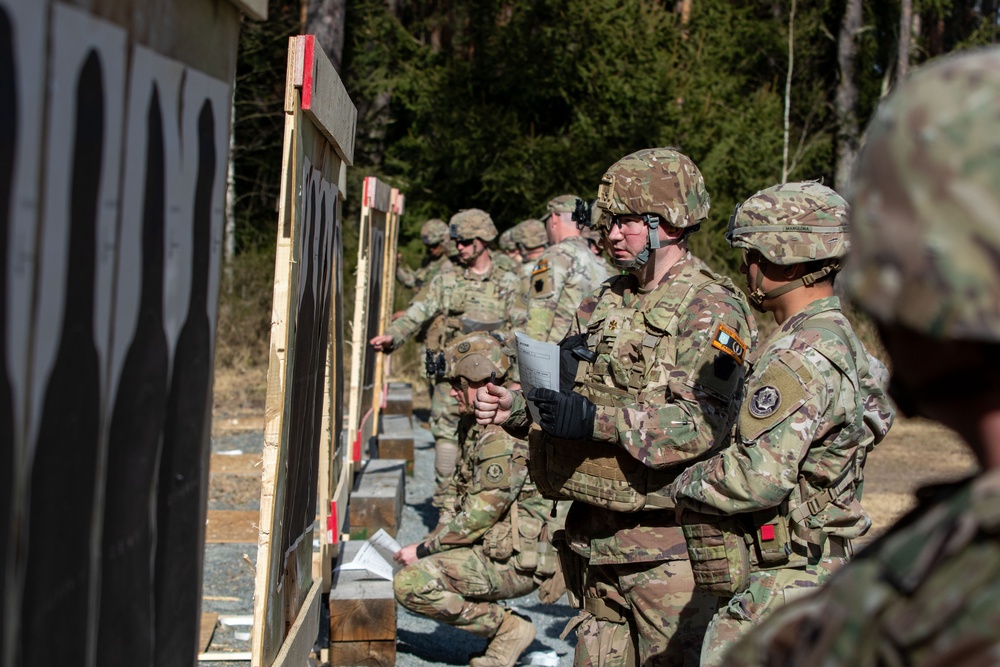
pixel 650 382
pixel 474 299
pixel 925 263
pixel 815 406
pixel 565 273
pixel 433 234
pixel 490 544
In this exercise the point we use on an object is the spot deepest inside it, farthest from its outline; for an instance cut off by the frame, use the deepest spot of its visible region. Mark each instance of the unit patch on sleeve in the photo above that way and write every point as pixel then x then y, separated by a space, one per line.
pixel 764 402
pixel 728 341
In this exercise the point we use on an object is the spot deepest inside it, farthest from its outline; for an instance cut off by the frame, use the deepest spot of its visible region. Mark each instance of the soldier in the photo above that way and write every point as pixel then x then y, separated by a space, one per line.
pixel 508 245
pixel 433 233
pixel 491 545
pixel 474 299
pixel 925 263
pixel 815 407
pixel 660 353
pixel 531 239
pixel 565 273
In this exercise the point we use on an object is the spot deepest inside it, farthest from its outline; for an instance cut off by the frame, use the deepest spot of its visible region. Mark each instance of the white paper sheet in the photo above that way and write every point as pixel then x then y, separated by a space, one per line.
pixel 538 364
pixel 375 556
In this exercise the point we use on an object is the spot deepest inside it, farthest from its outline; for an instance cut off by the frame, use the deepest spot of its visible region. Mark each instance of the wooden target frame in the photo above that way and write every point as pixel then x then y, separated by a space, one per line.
pixel 304 477
pixel 381 208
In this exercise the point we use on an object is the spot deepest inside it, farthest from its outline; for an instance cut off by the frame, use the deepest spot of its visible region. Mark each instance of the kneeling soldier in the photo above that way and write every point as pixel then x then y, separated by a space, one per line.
pixel 491 545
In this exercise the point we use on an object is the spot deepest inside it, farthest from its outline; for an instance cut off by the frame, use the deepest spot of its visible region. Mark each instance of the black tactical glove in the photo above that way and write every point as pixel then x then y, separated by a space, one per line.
pixel 564 414
pixel 571 350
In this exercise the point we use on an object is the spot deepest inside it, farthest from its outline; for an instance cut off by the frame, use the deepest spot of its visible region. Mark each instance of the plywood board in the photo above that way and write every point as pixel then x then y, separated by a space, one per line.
pixel 305 387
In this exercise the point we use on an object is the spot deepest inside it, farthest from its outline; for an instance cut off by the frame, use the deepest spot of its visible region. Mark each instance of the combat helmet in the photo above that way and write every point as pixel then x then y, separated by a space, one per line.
pixel 530 233
pixel 475 357
pixel 660 184
pixel 433 232
pixel 506 242
pixel 792 223
pixel 925 204
pixel 473 223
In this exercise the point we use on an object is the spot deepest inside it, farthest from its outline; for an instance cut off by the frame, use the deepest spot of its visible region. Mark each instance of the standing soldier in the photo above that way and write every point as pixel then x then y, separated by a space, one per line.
pixel 925 264
pixel 490 545
pixel 433 233
pixel 474 299
pixel 531 239
pixel 565 273
pixel 815 407
pixel 508 245
pixel 661 365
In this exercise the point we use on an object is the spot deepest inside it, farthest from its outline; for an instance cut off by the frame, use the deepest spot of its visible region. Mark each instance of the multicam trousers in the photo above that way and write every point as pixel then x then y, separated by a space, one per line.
pixel 663 623
pixel 444 427
pixel 460 587
pixel 767 591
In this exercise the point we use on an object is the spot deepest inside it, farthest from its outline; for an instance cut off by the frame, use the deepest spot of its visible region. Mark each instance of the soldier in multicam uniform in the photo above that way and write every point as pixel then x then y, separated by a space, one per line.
pixel 434 234
pixel 815 406
pixel 925 263
pixel 565 273
pixel 661 365
pixel 474 299
pixel 508 245
pixel 491 544
pixel 531 240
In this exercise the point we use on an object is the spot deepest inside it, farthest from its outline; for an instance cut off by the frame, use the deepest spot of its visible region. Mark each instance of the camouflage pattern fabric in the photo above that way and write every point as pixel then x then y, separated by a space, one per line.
pixel 815 406
pixel 564 275
pixel 506 241
pixel 926 201
pixel 654 180
pixel 676 407
pixel 476 558
pixel 791 223
pixel 472 223
pixel 925 593
pixel 444 424
pixel 422 275
pixel 531 234
pixel 505 264
pixel 668 615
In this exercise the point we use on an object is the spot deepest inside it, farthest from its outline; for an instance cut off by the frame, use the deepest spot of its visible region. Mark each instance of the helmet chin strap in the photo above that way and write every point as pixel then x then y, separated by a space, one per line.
pixel 653 242
pixel 758 295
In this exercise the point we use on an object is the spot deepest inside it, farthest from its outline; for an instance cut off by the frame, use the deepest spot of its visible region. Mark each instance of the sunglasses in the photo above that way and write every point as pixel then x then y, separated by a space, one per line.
pixel 462 242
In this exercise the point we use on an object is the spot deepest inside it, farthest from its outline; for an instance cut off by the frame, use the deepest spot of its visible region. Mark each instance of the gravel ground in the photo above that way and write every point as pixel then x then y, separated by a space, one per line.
pixel 228 578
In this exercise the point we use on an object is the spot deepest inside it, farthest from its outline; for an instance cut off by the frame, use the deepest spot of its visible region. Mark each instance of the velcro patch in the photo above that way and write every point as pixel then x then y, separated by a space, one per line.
pixel 771 399
pixel 727 340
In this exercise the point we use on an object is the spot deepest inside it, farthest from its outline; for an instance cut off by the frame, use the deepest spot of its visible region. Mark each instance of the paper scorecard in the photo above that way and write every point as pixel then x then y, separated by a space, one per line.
pixel 538 364
pixel 375 556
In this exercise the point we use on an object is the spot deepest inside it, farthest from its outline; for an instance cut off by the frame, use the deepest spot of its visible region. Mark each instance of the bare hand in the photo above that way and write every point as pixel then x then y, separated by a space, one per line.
pixel 407 555
pixel 382 343
pixel 493 404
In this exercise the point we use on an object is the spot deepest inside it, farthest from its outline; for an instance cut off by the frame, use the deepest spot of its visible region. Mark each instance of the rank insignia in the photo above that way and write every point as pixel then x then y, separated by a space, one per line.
pixel 612 325
pixel 764 402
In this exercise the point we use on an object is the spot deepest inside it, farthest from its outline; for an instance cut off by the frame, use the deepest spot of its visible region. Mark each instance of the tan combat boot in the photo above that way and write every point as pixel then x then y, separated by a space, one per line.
pixel 507 645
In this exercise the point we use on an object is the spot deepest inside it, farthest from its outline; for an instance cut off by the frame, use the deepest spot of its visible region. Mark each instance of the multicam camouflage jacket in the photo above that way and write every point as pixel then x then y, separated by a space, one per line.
pixel 815 406
pixel 505 263
pixel 467 301
pixel 519 304
pixel 494 503
pixel 564 275
pixel 666 382
pixel 422 275
pixel 925 593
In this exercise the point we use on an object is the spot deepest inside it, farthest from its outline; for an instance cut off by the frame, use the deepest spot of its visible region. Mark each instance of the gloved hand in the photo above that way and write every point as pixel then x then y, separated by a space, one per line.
pixel 568 361
pixel 564 414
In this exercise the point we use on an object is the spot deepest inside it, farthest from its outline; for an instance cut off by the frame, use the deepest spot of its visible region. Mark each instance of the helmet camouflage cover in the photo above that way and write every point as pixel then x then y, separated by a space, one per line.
pixel 925 217
pixel 560 204
pixel 433 232
pixel 792 223
pixel 530 233
pixel 474 357
pixel 661 181
pixel 473 223
pixel 506 242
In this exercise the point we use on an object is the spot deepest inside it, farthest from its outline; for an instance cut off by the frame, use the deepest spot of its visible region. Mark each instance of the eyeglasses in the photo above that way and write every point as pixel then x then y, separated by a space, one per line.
pixel 462 242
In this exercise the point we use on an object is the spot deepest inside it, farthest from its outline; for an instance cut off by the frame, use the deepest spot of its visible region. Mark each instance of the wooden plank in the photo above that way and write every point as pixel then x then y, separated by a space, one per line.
pixel 395 439
pixel 231 526
pixel 363 653
pixel 378 500
pixel 209 619
pixel 236 464
pixel 362 607
pixel 325 100
pixel 302 635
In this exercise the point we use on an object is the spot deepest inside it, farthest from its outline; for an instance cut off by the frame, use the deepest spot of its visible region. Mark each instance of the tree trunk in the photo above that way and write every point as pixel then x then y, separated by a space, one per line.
pixel 847 96
pixel 905 28
pixel 325 19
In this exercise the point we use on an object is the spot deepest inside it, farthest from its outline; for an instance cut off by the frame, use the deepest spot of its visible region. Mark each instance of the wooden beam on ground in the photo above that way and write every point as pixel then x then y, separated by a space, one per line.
pixel 395 439
pixel 362 616
pixel 377 501
pixel 232 526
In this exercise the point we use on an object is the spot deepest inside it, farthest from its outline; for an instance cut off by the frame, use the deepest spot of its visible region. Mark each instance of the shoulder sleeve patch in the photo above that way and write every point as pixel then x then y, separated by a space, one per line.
pixel 541 267
pixel 727 340
pixel 770 400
